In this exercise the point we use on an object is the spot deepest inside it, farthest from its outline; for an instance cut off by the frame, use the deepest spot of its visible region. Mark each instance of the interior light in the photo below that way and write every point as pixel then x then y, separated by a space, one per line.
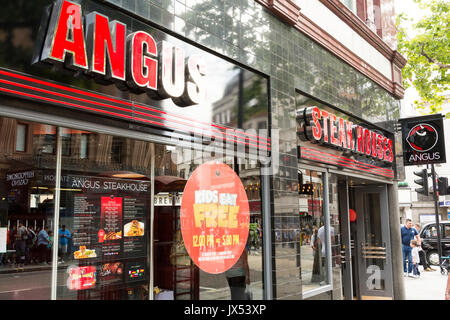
pixel 128 175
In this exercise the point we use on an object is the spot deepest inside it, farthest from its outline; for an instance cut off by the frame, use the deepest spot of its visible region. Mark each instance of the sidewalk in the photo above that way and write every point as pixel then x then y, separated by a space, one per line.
pixel 430 286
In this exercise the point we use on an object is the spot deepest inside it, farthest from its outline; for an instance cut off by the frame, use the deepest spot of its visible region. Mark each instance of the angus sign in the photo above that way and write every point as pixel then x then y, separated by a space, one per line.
pixel 135 61
pixel 323 127
pixel 423 140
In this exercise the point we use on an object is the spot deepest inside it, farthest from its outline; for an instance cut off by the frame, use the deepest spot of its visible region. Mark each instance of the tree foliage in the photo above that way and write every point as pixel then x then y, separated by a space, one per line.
pixel 428 54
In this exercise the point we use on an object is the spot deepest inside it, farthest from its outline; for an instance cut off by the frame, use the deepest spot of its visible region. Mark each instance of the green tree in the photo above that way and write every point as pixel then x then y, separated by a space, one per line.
pixel 428 54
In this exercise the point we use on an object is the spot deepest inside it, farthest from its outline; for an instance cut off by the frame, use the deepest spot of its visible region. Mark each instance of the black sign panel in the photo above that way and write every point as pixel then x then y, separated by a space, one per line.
pixel 423 140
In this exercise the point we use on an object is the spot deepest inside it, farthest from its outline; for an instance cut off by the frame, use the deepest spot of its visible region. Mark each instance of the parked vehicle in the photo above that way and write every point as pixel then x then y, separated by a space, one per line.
pixel 429 244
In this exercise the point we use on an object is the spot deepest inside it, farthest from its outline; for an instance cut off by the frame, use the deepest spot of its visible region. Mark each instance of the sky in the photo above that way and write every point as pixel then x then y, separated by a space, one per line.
pixel 409 7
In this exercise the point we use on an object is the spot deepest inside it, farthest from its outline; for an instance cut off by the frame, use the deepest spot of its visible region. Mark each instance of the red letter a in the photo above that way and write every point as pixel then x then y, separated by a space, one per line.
pixel 65 35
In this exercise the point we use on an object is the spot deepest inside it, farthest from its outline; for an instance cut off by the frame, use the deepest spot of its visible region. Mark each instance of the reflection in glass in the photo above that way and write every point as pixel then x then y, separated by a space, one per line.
pixel 26 209
pixel 175 273
pixel 313 241
pixel 104 217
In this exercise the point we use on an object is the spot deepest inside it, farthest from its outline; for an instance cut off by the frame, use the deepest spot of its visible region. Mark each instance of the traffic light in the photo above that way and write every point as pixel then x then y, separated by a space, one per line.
pixel 443 186
pixel 423 181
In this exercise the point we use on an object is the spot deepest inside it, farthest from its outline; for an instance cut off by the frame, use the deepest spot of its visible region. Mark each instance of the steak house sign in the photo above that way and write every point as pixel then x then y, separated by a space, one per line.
pixel 323 127
pixel 136 61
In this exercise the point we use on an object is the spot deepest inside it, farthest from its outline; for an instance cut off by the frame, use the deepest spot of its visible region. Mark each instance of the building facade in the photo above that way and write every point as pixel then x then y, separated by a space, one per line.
pixel 108 108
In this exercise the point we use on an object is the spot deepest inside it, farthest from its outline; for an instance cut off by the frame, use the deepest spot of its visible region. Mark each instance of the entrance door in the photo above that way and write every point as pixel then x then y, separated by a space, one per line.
pixel 372 243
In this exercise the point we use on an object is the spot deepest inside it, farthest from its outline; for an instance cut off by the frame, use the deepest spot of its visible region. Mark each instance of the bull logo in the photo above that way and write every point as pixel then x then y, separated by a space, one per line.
pixel 422 137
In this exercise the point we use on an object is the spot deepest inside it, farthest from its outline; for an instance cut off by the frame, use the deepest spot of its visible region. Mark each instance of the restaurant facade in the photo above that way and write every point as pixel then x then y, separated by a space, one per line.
pixel 194 151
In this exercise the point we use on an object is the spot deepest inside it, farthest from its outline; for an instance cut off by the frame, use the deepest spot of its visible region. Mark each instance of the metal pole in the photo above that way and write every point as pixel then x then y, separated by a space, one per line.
pixel 267 236
pixel 57 196
pixel 436 212
pixel 152 224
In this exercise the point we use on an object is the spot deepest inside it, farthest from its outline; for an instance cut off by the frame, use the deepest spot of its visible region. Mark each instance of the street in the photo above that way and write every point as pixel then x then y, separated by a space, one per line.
pixel 430 286
pixel 25 285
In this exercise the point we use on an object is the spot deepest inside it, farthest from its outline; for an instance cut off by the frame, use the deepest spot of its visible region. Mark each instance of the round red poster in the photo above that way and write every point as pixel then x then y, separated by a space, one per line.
pixel 215 217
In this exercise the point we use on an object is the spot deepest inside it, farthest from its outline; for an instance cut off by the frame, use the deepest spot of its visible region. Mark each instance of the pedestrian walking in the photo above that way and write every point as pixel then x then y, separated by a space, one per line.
pixel 64 236
pixel 422 255
pixel 50 246
pixel 20 245
pixel 415 258
pixel 31 237
pixel 408 233
pixel 43 245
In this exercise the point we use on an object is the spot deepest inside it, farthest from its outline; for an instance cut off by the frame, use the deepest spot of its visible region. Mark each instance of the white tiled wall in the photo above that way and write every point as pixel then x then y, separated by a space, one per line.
pixel 339 30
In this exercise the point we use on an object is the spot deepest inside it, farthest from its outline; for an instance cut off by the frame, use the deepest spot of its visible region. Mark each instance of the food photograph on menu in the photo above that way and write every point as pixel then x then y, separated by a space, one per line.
pixel 134 228
pixel 111 272
pixel 84 253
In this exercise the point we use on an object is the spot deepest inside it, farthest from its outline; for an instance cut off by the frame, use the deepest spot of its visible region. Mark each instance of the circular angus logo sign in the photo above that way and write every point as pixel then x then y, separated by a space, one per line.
pixel 423 140
pixel 422 137
pixel 215 217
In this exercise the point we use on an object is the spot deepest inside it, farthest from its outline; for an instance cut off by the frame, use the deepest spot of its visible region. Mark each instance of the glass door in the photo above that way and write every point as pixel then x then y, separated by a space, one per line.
pixel 372 243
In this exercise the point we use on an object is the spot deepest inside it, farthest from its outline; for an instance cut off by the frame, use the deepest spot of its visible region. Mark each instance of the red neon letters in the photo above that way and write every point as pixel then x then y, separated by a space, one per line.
pixel 100 37
pixel 67 36
pixel 143 68
pixel 132 61
pixel 324 127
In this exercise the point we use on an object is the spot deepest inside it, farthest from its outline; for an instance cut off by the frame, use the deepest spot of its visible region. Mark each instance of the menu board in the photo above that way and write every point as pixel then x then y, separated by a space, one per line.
pixel 109 227
pixel 110 234
pixel 111 272
pixel 134 243
pixel 84 234
pixel 135 271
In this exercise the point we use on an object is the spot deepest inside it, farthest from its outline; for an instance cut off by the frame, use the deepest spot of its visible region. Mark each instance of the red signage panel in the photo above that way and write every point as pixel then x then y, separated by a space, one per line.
pixel 215 217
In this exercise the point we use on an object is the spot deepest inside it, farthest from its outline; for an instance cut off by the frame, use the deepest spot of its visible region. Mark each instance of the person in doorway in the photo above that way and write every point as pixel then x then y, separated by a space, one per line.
pixel 316 245
pixel 238 277
pixel 322 240
pixel 415 258
pixel 64 236
pixel 408 233
pixel 423 259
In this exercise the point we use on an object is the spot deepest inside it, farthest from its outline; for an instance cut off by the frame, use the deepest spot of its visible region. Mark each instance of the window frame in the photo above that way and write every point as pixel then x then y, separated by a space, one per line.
pixel 328 261
pixel 25 137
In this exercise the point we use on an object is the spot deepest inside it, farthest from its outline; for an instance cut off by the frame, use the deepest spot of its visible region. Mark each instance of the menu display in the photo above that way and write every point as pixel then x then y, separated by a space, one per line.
pixel 134 242
pixel 111 272
pixel 135 271
pixel 84 221
pixel 81 278
pixel 109 227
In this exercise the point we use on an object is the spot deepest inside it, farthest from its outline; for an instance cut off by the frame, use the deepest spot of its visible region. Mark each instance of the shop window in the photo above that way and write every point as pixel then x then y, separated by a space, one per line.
pixel 26 210
pixel 351 4
pixel 21 137
pixel 431 232
pixel 84 146
pixel 117 149
pixel 105 214
pixel 44 136
pixel 175 273
pixel 65 144
pixel 447 231
pixel 313 240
